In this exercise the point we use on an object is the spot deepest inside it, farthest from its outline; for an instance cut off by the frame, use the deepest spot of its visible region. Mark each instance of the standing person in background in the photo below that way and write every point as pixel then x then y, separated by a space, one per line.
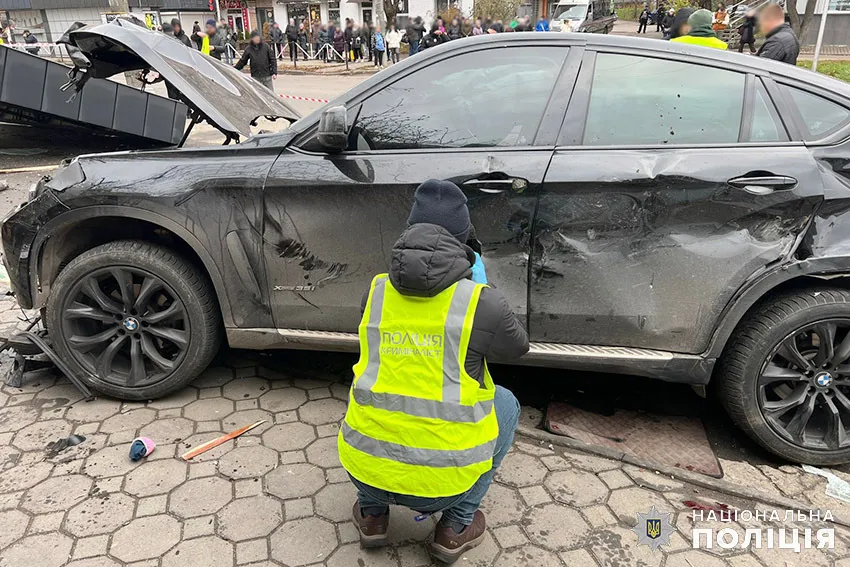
pixel 302 39
pixel 667 23
pixel 212 40
pixel 323 41
pixel 277 39
pixel 196 39
pixel 393 44
pixel 179 34
pixel 780 44
pixel 454 31
pixel 478 28
pixel 30 38
pixel 349 39
pixel 356 44
pixel 643 19
pixel 721 18
pixel 700 32
pixel 339 43
pixel 315 28
pixel 435 37
pixel 378 46
pixel 466 27
pixel 747 29
pixel 414 34
pixel 292 40
pixel 262 58
pixel 227 34
pixel 367 38
pixel 542 24
pixel 679 27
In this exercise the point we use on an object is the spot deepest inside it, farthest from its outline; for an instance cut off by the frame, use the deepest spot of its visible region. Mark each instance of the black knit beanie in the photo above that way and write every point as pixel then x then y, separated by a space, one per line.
pixel 441 203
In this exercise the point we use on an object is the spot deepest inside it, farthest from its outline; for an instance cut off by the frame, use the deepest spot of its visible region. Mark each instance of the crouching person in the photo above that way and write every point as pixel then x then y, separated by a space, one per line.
pixel 426 427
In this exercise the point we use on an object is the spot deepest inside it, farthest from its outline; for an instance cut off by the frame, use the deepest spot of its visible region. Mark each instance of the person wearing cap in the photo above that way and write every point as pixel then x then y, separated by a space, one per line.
pixel 179 34
pixel 212 40
pixel 262 58
pixel 426 427
pixel 699 31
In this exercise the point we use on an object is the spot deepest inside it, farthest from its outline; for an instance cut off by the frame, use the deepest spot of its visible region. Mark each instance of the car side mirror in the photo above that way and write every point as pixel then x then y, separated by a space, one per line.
pixel 333 128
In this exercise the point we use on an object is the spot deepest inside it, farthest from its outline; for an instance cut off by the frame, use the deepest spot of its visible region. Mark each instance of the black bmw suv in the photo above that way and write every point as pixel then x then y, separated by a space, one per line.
pixel 647 208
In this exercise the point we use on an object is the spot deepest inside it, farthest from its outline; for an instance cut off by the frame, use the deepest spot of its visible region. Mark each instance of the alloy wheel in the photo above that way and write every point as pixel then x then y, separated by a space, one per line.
pixel 126 326
pixel 804 386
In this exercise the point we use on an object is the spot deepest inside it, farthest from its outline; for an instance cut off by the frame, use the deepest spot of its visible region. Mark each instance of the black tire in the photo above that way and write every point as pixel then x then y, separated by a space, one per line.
pixel 199 318
pixel 754 344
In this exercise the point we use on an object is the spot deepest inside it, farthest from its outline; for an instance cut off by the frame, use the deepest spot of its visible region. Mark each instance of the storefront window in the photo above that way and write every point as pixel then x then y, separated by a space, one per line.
pixel 333 11
pixel 839 5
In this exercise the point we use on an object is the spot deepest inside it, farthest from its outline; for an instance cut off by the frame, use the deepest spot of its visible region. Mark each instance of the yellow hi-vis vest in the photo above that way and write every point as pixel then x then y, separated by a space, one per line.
pixel 417 423
pixel 205 45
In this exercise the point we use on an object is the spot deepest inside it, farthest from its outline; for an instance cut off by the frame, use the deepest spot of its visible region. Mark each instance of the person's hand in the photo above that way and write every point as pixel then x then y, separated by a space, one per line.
pixel 212 47
pixel 479 273
pixel 274 77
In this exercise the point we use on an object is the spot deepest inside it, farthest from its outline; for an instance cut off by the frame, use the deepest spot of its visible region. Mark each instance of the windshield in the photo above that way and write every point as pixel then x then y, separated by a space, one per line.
pixel 570 11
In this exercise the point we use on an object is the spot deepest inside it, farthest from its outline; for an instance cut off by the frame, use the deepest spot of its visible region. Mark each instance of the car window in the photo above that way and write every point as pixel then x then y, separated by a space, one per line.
pixel 493 97
pixel 765 127
pixel 641 100
pixel 821 116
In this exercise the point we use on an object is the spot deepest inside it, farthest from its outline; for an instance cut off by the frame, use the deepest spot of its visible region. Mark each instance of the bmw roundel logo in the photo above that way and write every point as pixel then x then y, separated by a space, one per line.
pixel 823 379
pixel 131 324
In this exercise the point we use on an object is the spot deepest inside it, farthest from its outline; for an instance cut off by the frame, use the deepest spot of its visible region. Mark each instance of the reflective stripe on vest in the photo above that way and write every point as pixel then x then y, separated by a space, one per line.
pixel 450 408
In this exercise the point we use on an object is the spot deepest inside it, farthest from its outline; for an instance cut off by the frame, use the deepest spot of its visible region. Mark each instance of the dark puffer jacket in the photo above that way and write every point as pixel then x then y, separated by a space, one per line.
pixel 781 45
pixel 426 260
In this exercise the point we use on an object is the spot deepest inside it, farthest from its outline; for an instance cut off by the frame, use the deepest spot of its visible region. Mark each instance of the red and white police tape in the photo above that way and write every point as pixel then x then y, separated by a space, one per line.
pixel 304 98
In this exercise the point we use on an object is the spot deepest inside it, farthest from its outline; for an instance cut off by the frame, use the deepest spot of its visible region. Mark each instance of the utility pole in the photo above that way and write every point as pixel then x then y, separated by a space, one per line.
pixel 819 42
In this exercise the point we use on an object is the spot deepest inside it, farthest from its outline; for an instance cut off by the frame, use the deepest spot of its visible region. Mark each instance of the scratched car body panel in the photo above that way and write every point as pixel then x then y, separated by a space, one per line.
pixel 645 249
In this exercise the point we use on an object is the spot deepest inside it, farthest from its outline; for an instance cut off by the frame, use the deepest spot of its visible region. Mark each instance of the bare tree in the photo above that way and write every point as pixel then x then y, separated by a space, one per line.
pixel 801 23
pixel 505 10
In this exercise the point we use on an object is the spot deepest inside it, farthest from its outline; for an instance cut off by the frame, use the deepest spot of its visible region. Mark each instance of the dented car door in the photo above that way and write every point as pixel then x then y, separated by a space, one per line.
pixel 647 227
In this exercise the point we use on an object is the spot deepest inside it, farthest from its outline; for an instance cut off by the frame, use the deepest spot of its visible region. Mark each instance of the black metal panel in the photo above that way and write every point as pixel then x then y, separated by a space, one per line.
pixel 98 105
pixel 198 5
pixel 64 4
pixel 28 72
pixel 160 125
pixel 130 111
pixel 2 66
pixel 180 114
pixel 55 101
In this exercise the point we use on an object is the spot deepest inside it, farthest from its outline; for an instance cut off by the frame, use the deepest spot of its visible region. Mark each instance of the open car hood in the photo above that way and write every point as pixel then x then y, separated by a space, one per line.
pixel 226 98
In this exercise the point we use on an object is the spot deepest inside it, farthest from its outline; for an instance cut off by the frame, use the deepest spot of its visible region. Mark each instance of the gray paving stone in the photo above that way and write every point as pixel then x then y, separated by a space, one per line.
pixel 510 536
pixel 152 505
pixel 348 532
pixel 207 551
pixel 483 555
pixel 336 475
pixel 249 518
pixel 99 514
pixel 304 541
pixel 110 461
pixel 212 409
pixel 146 538
pixel 197 527
pixel 578 557
pixel 534 495
pixel 43 550
pixel 617 546
pixel 213 376
pixel 57 493
pixel 178 399
pixel 591 463
pixel 245 405
pixel 694 558
pixel 91 546
pixel 627 502
pixel 334 501
pixel 199 497
pixel 328 430
pixel 45 523
pixel 283 399
pixel 576 488
pixel 615 479
pixel 13 524
pixel 170 430
pixel 17 417
pixel 324 452
pixel 415 555
pixel 530 556
pixel 246 388
pixel 519 469
pixel 199 439
pixel 294 481
pixel 251 551
pixel 599 516
pixel 351 555
pixel 129 421
pixel 246 417
pixel 319 412
pixel 247 487
pixel 95 562
pixel 289 436
pixel 156 477
pixel 62 394
pixel 556 527
pixel 299 508
pixel 35 437
pixel 24 476
pixel 95 410
pixel 502 505
pixel 404 528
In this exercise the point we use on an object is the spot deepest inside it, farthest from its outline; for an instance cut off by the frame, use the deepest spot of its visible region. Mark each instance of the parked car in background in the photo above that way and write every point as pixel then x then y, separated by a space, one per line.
pixel 588 16
pixel 699 233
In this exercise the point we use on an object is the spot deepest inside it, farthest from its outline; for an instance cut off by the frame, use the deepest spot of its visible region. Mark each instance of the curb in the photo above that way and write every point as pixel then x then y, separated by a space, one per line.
pixel 341 72
pixel 704 481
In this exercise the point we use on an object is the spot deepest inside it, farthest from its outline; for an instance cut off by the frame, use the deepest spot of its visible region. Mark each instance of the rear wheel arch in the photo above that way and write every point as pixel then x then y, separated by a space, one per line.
pixel 80 230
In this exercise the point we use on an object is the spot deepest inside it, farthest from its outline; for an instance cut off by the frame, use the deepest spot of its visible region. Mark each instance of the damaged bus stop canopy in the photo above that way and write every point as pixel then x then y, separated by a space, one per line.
pixel 209 91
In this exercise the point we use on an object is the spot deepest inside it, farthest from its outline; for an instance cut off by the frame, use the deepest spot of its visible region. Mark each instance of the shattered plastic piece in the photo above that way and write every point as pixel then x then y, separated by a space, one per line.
pixel 141 447
pixel 218 441
pixel 716 507
pixel 836 487
pixel 63 443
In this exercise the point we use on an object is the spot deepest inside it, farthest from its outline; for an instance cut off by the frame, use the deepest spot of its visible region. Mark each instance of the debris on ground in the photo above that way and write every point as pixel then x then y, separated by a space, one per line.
pixel 717 507
pixel 218 441
pixel 835 487
pixel 141 447
pixel 63 443
pixel 3 185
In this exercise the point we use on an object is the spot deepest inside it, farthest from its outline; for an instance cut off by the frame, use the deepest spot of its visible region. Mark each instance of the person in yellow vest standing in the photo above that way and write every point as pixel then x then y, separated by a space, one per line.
pixel 426 427
pixel 700 32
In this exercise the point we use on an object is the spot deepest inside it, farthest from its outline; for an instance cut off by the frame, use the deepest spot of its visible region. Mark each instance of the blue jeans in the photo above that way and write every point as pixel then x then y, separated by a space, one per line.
pixel 461 507
pixel 414 47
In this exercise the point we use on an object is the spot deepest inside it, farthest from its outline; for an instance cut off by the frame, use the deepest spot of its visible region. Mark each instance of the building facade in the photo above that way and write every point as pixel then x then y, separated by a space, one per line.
pixel 837 30
pixel 48 19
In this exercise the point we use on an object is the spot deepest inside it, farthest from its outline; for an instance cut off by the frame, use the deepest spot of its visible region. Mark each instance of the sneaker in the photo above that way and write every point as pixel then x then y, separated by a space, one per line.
pixel 373 529
pixel 448 545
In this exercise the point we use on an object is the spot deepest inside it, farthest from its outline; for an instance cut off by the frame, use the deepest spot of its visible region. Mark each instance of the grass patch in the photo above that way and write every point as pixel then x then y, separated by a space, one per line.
pixel 838 69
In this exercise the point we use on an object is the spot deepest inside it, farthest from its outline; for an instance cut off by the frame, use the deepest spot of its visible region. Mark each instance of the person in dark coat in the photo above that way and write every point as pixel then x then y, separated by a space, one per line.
pixel 302 38
pixel 196 28
pixel 179 34
pixel 292 39
pixel 263 63
pixel 454 31
pixel 322 39
pixel 435 37
pixel 747 29
pixel 367 37
pixel 339 43
pixel 680 21
pixel 277 39
pixel 414 34
pixel 781 44
pixel 643 19
pixel 30 38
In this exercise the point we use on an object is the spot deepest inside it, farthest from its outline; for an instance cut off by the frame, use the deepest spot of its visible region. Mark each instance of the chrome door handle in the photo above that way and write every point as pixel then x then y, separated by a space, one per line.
pixel 516 184
pixel 763 184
